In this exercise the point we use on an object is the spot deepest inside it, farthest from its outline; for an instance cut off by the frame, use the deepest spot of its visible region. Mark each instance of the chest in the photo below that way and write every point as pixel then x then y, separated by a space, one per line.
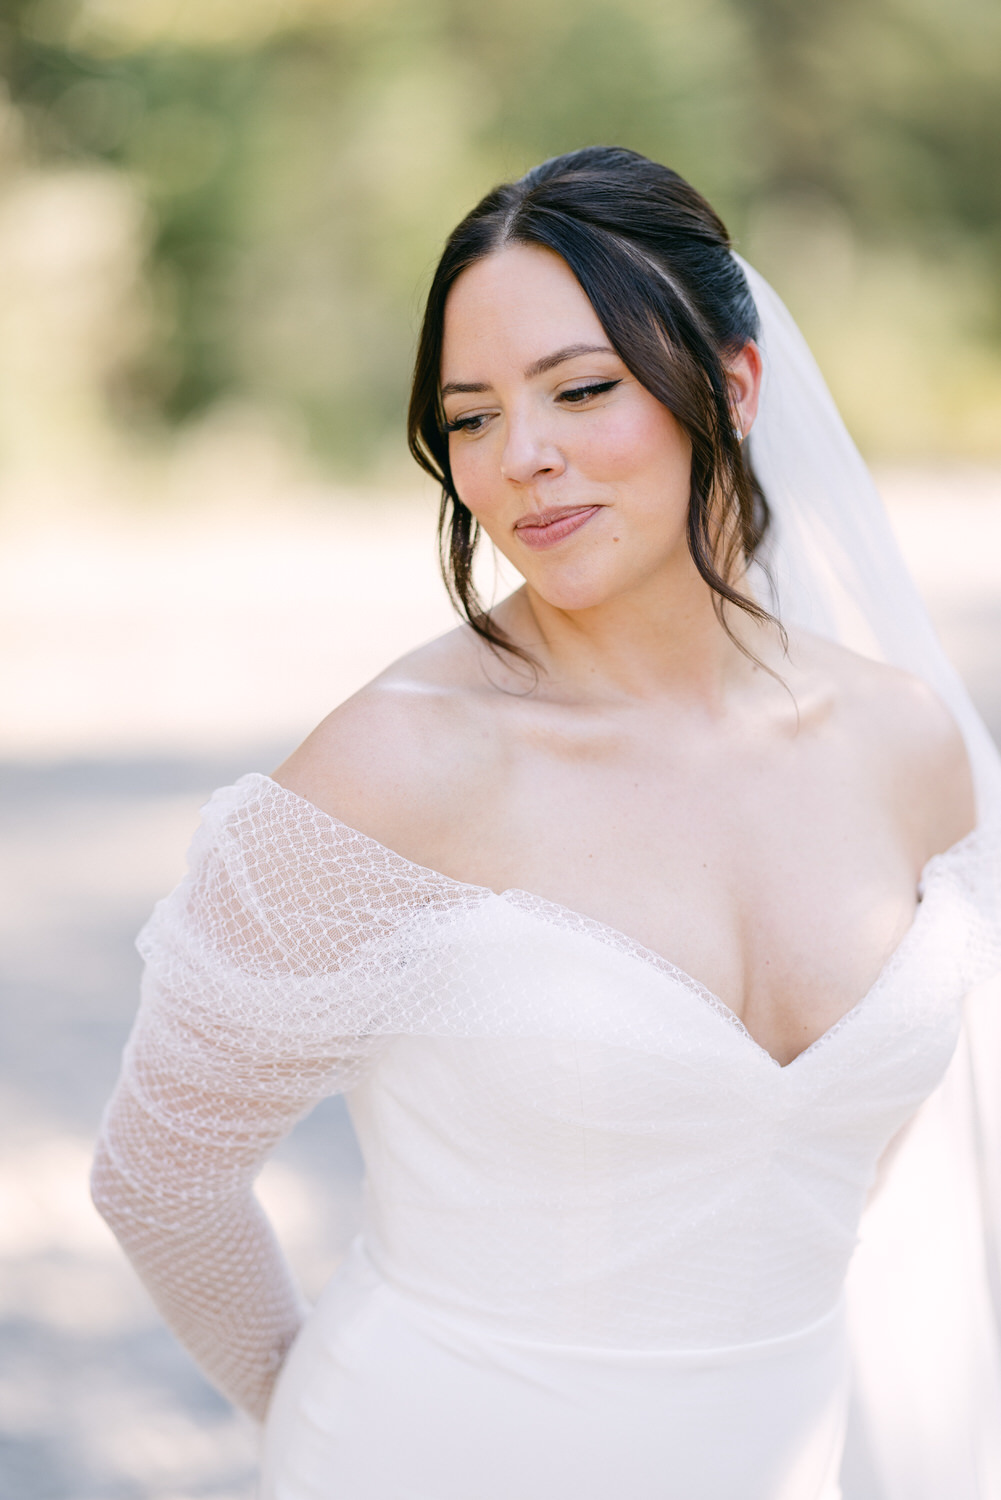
pixel 781 883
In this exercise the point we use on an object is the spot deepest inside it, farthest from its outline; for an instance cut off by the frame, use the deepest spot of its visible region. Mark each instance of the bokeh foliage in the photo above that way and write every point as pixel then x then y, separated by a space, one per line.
pixel 302 160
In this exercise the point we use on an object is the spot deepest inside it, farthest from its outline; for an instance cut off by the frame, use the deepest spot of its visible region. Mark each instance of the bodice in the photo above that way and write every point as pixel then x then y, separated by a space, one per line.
pixel 588 1148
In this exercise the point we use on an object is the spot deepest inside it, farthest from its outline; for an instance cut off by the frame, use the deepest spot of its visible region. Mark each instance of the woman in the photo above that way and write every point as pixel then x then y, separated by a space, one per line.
pixel 610 1205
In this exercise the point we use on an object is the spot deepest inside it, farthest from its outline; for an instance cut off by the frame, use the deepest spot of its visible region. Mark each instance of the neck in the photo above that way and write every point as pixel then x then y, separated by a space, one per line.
pixel 659 641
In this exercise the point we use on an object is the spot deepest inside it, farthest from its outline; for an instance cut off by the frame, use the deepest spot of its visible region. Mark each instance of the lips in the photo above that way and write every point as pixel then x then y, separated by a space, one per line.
pixel 545 528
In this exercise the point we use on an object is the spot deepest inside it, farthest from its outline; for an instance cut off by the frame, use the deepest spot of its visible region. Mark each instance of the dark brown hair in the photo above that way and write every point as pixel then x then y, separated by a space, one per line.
pixel 653 259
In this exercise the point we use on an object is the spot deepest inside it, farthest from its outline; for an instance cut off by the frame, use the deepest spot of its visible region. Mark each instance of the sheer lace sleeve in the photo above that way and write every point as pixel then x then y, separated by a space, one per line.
pixel 265 989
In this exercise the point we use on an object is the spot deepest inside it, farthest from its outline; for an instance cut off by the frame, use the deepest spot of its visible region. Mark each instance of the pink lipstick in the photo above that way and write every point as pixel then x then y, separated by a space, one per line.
pixel 544 528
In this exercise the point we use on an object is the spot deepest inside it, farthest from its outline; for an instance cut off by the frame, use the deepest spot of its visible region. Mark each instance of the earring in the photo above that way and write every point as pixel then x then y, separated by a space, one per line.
pixel 738 433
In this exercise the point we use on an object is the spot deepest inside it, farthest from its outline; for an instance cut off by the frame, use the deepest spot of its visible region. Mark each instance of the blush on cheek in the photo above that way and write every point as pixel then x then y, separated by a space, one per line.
pixel 643 442
pixel 472 482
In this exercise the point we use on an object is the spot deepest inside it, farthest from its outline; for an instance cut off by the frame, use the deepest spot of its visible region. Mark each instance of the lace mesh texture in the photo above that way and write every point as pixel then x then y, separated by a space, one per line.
pixel 565 1136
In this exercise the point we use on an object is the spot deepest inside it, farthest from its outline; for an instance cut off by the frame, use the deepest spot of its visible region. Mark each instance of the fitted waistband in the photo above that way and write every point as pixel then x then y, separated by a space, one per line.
pixel 457 1328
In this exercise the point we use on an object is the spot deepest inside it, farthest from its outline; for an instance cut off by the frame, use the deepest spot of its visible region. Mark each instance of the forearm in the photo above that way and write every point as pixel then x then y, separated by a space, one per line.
pixel 216 1273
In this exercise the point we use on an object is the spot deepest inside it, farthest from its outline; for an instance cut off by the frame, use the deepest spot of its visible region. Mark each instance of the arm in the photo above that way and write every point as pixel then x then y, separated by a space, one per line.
pixel 174 1180
pixel 231 1046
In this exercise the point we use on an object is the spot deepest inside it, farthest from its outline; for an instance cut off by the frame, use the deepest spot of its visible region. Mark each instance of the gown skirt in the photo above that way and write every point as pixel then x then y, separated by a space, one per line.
pixel 384 1397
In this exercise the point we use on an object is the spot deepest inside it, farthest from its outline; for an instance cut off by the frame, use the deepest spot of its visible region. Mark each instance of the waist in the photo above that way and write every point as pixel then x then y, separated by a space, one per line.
pixel 478 1332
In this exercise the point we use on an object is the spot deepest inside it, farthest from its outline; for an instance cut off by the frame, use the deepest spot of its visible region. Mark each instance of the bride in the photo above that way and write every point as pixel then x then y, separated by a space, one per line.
pixel 635 916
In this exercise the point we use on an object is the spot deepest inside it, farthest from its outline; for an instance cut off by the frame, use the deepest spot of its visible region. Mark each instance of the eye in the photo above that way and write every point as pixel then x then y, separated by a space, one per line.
pixel 578 394
pixel 467 424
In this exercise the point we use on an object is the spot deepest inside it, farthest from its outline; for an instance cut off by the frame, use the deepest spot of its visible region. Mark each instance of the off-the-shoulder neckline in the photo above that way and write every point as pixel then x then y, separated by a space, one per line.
pixel 540 905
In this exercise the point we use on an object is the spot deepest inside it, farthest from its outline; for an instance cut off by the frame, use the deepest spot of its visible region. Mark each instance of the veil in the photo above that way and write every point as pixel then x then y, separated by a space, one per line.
pixel 925 1284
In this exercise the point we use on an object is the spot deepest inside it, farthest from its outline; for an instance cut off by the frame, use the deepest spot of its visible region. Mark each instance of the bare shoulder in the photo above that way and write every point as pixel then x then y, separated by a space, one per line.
pixel 405 757
pixel 909 735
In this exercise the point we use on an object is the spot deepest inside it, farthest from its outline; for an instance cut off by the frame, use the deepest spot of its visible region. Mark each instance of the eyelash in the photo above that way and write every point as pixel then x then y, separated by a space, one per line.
pixel 581 392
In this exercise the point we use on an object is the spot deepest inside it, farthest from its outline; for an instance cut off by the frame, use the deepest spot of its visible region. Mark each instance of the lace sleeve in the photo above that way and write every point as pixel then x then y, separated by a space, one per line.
pixel 253 1007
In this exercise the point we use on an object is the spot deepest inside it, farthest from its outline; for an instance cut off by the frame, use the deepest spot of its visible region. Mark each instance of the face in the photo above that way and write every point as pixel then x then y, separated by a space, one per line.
pixel 575 471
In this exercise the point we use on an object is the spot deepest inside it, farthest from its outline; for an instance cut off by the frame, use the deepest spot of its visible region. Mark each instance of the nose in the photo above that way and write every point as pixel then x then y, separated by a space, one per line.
pixel 529 452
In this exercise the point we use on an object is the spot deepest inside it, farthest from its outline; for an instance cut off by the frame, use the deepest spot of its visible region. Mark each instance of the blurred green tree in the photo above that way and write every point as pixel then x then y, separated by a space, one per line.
pixel 303 160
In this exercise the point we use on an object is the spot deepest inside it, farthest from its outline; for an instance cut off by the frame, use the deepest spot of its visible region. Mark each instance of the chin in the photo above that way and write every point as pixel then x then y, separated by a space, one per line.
pixel 573 591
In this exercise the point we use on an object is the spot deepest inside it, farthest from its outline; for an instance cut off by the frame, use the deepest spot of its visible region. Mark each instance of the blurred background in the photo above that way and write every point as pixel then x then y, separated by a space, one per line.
pixel 216 221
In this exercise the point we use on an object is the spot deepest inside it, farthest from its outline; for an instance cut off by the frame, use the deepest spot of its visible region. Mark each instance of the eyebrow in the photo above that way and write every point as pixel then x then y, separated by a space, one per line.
pixel 538 367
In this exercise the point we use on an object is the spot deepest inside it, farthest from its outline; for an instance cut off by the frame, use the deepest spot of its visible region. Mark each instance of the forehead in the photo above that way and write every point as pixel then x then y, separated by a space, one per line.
pixel 511 308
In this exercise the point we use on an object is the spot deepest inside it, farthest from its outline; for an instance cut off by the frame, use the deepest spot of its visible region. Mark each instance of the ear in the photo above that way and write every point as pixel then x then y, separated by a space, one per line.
pixel 743 374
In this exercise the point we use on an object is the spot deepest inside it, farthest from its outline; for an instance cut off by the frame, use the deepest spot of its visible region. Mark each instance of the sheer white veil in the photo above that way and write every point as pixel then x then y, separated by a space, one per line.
pixel 925 1287
pixel 835 563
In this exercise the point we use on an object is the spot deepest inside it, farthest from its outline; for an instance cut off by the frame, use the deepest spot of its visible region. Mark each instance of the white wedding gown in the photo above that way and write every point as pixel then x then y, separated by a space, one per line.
pixel 606 1234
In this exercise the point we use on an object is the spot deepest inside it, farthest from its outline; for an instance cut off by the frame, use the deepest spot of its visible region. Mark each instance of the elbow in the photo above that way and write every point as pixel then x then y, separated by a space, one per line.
pixel 109 1191
pixel 101 1173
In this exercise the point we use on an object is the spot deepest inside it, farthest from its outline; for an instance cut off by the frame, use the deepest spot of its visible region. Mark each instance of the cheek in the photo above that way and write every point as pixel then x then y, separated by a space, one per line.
pixel 641 444
pixel 476 475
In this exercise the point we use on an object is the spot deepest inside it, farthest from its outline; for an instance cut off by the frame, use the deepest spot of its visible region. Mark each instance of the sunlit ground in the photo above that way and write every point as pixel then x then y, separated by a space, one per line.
pixel 147 658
